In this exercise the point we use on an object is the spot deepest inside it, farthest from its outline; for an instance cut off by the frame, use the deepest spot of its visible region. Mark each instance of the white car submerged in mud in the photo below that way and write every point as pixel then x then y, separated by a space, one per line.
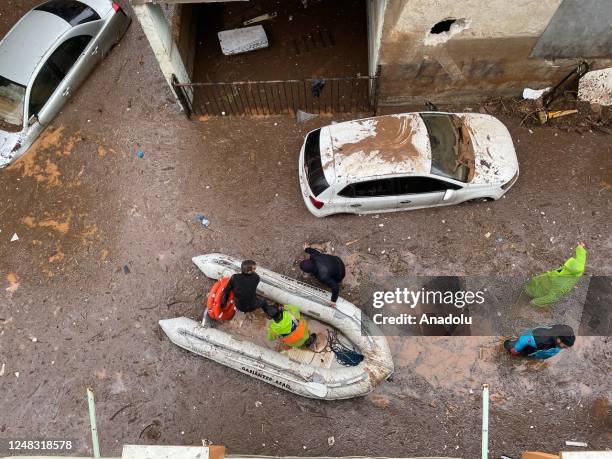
pixel 406 161
pixel 44 59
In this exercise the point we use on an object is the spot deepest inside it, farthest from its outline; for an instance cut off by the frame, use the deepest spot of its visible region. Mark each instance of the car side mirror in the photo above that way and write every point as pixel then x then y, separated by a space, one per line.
pixel 33 119
pixel 448 194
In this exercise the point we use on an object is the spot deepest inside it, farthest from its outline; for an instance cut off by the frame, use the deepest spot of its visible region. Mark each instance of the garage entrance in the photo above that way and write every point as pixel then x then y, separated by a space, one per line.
pixel 316 60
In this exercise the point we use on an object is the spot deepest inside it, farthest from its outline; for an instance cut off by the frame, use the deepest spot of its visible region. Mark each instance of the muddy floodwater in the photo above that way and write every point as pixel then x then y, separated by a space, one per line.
pixel 105 240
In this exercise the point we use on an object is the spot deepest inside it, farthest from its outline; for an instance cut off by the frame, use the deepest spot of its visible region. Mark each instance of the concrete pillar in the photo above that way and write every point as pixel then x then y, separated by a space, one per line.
pixel 158 32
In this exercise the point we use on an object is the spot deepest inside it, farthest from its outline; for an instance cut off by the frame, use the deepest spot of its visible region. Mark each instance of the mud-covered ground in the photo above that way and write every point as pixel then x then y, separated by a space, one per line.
pixel 84 206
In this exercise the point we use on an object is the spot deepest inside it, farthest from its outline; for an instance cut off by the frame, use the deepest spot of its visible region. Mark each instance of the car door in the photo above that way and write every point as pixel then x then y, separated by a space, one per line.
pixel 51 88
pixel 420 191
pixel 369 196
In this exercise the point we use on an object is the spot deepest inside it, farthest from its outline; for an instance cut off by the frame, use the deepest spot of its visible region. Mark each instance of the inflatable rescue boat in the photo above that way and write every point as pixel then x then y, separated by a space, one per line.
pixel 301 371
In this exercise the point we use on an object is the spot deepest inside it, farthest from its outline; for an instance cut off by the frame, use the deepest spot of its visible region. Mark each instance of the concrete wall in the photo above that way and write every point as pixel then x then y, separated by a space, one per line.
pixel 183 28
pixel 376 15
pixel 485 53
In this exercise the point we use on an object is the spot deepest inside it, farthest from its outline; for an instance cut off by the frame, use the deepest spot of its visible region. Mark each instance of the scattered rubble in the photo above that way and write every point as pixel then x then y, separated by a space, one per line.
pixel 596 87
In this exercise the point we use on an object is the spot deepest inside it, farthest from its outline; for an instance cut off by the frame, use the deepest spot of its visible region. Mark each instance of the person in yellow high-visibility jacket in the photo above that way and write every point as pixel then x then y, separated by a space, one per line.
pixel 549 287
pixel 288 326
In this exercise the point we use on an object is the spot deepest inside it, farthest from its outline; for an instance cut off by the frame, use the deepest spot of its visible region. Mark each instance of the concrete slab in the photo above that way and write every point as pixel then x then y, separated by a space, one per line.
pixel 236 41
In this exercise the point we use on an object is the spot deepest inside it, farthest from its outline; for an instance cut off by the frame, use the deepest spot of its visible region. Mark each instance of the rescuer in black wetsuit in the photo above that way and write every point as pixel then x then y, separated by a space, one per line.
pixel 244 286
pixel 328 269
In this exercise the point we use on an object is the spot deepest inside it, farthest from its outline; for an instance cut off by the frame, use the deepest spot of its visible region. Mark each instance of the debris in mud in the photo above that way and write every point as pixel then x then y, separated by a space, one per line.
pixel 580 444
pixel 120 410
pixel 2 369
pixel 140 154
pixel 152 431
pixel 545 116
pixel 13 281
pixel 303 116
pixel 15 237
pixel 126 269
pixel 260 18
pixel 258 404
pixel 331 440
pixel 203 220
pixel 534 94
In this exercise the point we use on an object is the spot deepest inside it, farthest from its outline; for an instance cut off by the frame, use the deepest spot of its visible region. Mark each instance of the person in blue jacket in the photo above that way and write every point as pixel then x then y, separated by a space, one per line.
pixel 541 342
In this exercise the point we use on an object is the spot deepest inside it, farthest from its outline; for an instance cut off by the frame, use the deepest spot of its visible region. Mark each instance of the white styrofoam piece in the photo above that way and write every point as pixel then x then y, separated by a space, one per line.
pixel 242 40
pixel 534 94
pixel 164 452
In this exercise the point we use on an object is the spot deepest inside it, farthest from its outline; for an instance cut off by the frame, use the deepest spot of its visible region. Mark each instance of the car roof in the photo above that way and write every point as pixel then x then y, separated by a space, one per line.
pixel 378 146
pixel 27 42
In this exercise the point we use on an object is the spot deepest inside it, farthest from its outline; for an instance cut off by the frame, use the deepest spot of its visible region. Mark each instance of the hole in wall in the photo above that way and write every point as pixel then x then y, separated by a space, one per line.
pixel 442 26
pixel 442 31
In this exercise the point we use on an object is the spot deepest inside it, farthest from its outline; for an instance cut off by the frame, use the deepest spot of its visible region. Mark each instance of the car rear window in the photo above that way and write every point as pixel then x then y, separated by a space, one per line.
pixel 71 11
pixel 312 163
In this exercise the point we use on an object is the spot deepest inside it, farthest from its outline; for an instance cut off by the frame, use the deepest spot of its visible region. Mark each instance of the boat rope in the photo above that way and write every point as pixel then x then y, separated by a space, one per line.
pixel 344 355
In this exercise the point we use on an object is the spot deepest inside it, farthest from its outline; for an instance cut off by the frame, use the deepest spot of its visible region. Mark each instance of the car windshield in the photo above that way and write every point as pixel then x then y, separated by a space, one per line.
pixel 11 105
pixel 451 153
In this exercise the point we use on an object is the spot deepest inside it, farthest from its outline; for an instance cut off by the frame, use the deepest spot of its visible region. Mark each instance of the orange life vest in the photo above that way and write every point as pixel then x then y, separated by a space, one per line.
pixel 214 308
pixel 296 334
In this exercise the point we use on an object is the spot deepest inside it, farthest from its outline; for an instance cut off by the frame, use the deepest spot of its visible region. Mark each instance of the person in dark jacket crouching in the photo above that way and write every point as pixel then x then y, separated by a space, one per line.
pixel 327 269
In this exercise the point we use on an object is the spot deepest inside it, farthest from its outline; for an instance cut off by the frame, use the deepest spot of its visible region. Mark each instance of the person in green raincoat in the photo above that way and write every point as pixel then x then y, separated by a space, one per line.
pixel 549 287
pixel 288 326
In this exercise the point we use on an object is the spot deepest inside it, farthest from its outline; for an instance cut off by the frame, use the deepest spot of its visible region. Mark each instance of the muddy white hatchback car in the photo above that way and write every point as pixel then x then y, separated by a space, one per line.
pixel 406 161
pixel 43 60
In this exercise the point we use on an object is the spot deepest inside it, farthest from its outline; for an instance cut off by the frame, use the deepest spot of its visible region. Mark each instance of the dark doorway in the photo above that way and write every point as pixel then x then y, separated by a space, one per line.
pixel 327 38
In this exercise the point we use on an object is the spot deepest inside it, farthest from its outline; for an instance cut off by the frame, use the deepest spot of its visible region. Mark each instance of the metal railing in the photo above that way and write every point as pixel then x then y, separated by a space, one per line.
pixel 278 97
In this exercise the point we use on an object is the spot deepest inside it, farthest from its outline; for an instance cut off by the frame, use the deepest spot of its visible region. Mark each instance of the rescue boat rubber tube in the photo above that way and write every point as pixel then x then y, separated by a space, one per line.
pixel 275 368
